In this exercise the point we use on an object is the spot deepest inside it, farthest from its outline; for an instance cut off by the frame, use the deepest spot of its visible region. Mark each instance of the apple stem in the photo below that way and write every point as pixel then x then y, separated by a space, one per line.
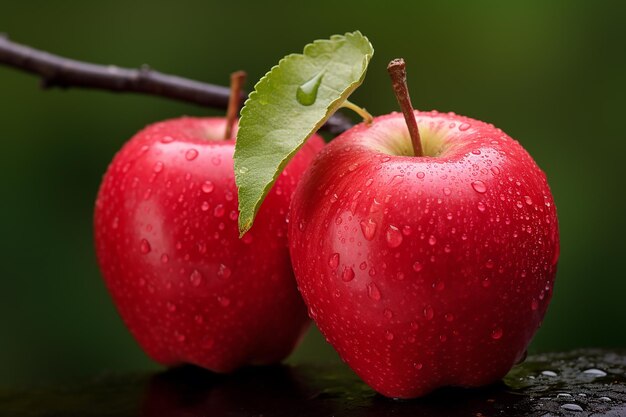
pixel 237 80
pixel 367 117
pixel 397 72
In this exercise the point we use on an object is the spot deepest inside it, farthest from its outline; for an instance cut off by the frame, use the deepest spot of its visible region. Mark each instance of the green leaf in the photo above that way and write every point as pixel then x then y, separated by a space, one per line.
pixel 287 106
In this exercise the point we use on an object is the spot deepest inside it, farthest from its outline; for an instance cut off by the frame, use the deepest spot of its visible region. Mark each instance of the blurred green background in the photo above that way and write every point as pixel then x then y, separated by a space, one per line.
pixel 551 74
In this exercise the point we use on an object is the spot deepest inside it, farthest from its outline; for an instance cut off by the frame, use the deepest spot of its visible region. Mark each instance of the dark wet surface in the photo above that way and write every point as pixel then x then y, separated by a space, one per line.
pixel 576 383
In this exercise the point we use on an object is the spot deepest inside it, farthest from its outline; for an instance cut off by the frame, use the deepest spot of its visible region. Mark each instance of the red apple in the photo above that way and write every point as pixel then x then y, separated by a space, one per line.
pixel 427 271
pixel 167 242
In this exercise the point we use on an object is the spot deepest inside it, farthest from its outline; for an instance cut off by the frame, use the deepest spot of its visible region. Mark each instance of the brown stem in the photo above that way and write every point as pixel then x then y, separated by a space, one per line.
pixel 237 80
pixel 397 72
pixel 57 71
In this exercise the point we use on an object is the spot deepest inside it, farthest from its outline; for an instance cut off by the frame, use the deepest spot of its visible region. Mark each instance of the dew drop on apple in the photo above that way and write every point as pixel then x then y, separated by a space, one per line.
pixel 464 126
pixel 496 334
pixel 389 335
pixel 388 313
pixel 393 236
pixel 191 154
pixel 219 210
pixel 481 206
pixel 479 186
pixel 528 200
pixel 208 187
pixel 306 94
pixel 224 301
pixel 418 366
pixel 432 240
pixel 333 260
pixel 144 246
pixel 205 206
pixel 421 175
pixel 429 312
pixel 368 227
pixel 223 271
pixel 158 167
pixel 195 278
pixel 348 274
pixel 373 292
pixel 417 266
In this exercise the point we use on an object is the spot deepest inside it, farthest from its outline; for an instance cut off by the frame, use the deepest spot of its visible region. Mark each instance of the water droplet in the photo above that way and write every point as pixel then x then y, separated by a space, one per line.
pixel 417 266
pixel 195 278
pixel 224 301
pixel 388 313
pixel 446 191
pixel 368 228
pixel 594 372
pixel 571 407
pixel 605 399
pixel 418 366
pixel 388 335
pixel 208 187
pixel 243 170
pixel 218 211
pixel 191 154
pixel 373 292
pixel 479 186
pixel 369 182
pixel 205 206
pixel 333 260
pixel 534 304
pixel 363 266
pixel 421 175
pixel 495 170
pixel 549 373
pixel 528 200
pixel 394 237
pixel 306 94
pixel 429 312
pixel 167 139
pixel 165 258
pixel 432 240
pixel 464 126
pixel 348 274
pixel 481 206
pixel 496 334
pixel 489 264
pixel 223 271
pixel 406 230
pixel 158 167
pixel 144 246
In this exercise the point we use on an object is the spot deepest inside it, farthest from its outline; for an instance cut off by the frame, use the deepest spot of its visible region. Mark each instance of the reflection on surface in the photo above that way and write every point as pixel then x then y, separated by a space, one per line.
pixel 548 384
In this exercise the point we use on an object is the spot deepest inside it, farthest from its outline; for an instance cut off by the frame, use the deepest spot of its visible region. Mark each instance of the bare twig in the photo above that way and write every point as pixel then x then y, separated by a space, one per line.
pixel 57 71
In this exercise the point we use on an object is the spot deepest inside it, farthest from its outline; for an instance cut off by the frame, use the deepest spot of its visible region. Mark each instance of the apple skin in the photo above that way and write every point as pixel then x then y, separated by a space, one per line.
pixel 167 242
pixel 425 272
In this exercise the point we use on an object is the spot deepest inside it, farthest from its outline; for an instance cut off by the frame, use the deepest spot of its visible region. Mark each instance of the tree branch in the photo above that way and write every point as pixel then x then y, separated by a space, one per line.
pixel 57 71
